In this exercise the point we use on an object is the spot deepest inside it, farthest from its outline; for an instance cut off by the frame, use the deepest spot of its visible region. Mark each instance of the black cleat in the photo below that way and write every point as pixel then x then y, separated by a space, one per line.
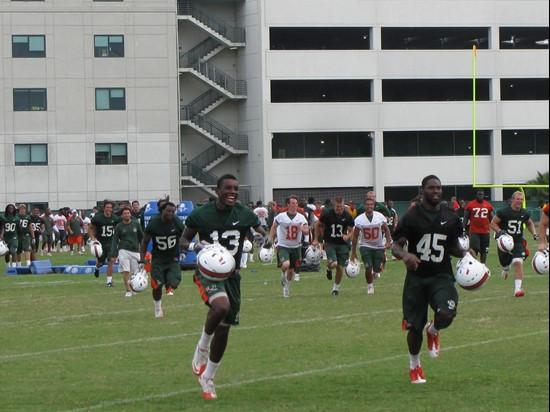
pixel 329 274
pixel 96 272
pixel 335 293
pixel 109 284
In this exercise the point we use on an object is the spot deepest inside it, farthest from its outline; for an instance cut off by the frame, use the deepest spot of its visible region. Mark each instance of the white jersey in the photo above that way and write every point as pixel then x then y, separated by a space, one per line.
pixel 289 231
pixel 372 234
pixel 60 222
pixel 262 214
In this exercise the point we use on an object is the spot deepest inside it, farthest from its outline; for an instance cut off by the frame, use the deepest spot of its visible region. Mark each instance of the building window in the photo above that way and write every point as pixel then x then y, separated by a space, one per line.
pixel 31 154
pixel 434 90
pixel 321 145
pixel 433 38
pixel 524 89
pixel 111 154
pixel 109 46
pixel 110 99
pixel 28 46
pixel 436 143
pixel 320 38
pixel 320 91
pixel 29 100
pixel 525 142
pixel 523 37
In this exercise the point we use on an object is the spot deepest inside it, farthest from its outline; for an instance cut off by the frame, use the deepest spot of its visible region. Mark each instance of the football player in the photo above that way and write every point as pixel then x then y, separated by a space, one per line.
pixel 432 234
pixel 510 220
pixel 336 229
pixel 226 222
pixel 26 240
pixel 289 226
pixel 102 228
pixel 478 215
pixel 543 229
pixel 10 231
pixel 375 239
pixel 164 229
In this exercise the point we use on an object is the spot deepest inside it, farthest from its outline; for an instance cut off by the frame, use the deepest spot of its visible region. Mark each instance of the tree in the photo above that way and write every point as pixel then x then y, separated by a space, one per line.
pixel 538 193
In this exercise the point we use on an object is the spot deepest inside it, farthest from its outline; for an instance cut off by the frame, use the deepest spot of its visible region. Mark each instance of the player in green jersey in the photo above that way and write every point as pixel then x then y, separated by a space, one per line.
pixel 10 231
pixel 432 233
pixel 126 245
pixel 26 240
pixel 164 230
pixel 226 222
pixel 510 220
pixel 102 229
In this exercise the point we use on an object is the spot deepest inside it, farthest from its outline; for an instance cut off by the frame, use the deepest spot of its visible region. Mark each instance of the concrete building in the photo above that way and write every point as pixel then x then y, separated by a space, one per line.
pixel 310 97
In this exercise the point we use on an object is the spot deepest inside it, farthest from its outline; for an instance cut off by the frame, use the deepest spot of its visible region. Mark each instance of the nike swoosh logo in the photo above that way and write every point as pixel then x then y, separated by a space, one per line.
pixel 234 223
pixel 442 223
pixel 173 230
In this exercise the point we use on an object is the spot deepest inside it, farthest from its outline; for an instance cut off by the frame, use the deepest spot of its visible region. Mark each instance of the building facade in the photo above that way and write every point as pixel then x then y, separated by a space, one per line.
pixel 134 99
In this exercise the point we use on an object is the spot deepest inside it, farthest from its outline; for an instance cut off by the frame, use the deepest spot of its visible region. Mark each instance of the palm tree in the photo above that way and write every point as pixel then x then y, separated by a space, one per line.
pixel 538 193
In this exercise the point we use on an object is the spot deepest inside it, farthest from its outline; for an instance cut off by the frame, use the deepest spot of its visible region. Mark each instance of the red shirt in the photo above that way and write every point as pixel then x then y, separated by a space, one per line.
pixel 479 216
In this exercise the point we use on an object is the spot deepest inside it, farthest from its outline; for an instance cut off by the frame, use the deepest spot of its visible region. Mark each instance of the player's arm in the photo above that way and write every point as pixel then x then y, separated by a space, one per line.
pixel 305 229
pixel 355 237
pixel 395 219
pixel 317 230
pixel 411 261
pixel 114 242
pixel 543 227
pixel 467 215
pixel 269 241
pixel 348 235
pixel 91 231
pixel 495 225
pixel 531 228
pixel 143 247
pixel 387 233
pixel 259 229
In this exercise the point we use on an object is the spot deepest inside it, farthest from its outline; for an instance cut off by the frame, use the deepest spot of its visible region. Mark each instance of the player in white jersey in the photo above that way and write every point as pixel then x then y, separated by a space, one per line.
pixel 375 239
pixel 290 227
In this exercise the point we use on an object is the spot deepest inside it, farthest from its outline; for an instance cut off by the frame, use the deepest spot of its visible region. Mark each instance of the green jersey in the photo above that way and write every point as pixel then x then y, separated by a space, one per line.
pixel 512 221
pixel 25 221
pixel 105 227
pixel 47 221
pixel 227 227
pixel 127 237
pixel 74 224
pixel 165 237
pixel 12 227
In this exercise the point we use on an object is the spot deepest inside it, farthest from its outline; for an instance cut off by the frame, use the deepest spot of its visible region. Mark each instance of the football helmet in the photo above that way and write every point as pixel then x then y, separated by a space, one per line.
pixel 215 263
pixel 313 255
pixel 247 246
pixel 3 248
pixel 266 255
pixel 353 269
pixel 464 242
pixel 96 249
pixel 505 243
pixel 471 274
pixel 139 280
pixel 540 262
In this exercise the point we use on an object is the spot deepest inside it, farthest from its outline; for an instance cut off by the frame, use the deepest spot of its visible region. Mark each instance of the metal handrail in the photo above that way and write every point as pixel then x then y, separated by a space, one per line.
pixel 198 52
pixel 214 128
pixel 236 87
pixel 205 100
pixel 189 168
pixel 232 33
pixel 210 155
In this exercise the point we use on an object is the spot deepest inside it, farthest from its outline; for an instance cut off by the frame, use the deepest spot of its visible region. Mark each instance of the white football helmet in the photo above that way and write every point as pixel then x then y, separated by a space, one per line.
pixel 247 246
pixel 139 281
pixel 471 274
pixel 353 269
pixel 266 255
pixel 215 263
pixel 314 254
pixel 464 242
pixel 540 263
pixel 3 248
pixel 505 243
pixel 96 249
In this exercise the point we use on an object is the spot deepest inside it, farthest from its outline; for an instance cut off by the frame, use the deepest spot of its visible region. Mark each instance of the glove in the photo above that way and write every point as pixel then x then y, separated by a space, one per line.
pixel 197 247
pixel 535 237
pixel 267 243
pixel 141 265
pixel 501 233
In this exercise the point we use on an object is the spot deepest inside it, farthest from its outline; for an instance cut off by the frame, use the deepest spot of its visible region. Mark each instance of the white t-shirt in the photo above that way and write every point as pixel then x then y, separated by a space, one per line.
pixel 372 234
pixel 85 223
pixel 262 214
pixel 60 222
pixel 289 231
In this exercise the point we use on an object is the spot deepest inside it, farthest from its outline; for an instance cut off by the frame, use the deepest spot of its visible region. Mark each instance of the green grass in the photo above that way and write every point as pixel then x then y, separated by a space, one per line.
pixel 67 342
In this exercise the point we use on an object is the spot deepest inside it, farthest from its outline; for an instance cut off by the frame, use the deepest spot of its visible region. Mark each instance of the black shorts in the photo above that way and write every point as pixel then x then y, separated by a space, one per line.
pixel 479 242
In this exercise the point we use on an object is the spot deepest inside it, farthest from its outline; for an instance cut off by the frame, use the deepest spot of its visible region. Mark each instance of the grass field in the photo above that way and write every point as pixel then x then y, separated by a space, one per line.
pixel 69 343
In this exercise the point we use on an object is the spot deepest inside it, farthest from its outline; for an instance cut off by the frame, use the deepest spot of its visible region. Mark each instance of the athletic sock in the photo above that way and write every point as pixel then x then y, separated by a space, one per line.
pixel 335 287
pixel 211 368
pixel 518 283
pixel 204 341
pixel 432 330
pixel 414 360
pixel 109 279
pixel 158 304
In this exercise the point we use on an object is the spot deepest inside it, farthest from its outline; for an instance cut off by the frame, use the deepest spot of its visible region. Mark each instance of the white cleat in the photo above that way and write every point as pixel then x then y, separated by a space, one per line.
pixel 207 385
pixel 199 360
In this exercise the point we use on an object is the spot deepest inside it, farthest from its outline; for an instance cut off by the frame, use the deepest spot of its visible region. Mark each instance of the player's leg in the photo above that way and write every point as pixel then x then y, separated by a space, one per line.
pixel 444 302
pixel 124 268
pixel 367 258
pixel 484 241
pixel 287 274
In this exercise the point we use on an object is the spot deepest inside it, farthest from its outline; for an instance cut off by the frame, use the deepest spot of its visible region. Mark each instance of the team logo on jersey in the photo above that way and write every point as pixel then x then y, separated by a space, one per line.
pixel 211 288
pixel 451 304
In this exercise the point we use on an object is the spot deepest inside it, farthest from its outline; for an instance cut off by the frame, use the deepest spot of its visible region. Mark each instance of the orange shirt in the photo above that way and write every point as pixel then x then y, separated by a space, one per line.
pixel 545 209
pixel 479 216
